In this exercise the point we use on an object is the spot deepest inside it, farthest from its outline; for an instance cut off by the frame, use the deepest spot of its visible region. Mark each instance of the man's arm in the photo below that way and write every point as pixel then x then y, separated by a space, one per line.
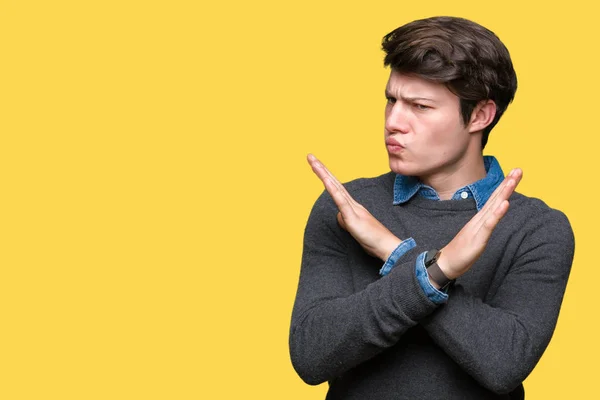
pixel 498 342
pixel 333 328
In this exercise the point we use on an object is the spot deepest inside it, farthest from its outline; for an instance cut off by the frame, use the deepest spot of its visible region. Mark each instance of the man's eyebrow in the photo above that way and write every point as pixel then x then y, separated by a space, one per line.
pixel 409 99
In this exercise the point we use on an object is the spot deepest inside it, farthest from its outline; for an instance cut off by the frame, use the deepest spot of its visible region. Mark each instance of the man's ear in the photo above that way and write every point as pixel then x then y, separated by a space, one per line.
pixel 482 115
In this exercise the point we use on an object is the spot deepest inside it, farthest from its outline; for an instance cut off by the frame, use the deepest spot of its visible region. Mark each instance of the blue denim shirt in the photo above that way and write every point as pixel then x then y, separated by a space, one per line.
pixel 405 187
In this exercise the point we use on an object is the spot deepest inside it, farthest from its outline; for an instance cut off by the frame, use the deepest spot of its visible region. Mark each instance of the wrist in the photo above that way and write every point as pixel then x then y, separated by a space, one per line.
pixel 387 248
pixel 445 266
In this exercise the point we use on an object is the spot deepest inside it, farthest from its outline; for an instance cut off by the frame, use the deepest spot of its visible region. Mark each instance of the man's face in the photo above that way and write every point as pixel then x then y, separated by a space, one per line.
pixel 424 131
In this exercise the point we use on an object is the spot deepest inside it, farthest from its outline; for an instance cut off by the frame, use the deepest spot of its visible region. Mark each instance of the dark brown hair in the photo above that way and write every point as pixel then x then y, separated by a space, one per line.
pixel 468 58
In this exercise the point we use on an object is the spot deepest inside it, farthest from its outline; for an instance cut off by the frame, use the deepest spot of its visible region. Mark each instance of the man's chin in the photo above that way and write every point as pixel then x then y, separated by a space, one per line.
pixel 401 168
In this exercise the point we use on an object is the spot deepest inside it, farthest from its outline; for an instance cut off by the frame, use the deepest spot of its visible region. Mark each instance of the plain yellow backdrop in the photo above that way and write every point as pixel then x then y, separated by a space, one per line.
pixel 154 188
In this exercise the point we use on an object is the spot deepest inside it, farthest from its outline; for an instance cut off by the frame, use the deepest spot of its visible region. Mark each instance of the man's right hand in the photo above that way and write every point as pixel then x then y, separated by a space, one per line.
pixel 372 235
pixel 461 253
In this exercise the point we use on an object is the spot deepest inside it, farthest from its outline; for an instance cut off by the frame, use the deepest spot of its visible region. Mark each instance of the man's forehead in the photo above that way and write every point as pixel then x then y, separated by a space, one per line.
pixel 411 86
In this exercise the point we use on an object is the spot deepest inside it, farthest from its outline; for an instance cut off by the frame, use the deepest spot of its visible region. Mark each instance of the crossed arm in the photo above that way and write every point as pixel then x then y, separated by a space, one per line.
pixel 335 329
pixel 456 258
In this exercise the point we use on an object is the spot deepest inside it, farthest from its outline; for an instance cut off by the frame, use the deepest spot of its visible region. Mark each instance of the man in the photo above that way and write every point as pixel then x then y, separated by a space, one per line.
pixel 423 283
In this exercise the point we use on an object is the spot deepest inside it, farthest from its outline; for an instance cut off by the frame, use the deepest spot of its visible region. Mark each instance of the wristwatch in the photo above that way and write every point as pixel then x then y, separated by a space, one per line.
pixel 434 271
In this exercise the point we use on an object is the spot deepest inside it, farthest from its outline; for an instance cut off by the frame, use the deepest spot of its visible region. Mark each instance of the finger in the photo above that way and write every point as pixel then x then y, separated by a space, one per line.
pixel 502 192
pixel 507 189
pixel 341 221
pixel 485 217
pixel 322 172
pixel 497 193
pixel 495 204
pixel 340 200
pixel 509 184
pixel 317 167
pixel 517 175
pixel 336 182
pixel 491 222
pixel 499 206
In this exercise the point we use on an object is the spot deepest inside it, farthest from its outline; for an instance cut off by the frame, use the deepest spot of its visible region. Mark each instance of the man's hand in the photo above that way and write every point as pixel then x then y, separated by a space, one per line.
pixel 461 253
pixel 375 238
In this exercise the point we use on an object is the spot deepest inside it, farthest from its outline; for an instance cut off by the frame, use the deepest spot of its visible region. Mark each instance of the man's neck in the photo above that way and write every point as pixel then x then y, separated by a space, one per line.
pixel 463 173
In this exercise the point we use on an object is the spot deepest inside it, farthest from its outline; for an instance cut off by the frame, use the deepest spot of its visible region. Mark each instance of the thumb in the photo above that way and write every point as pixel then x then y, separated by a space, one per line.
pixel 340 220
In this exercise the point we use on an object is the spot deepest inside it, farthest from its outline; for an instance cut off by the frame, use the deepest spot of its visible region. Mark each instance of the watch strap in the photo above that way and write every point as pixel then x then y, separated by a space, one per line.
pixel 438 276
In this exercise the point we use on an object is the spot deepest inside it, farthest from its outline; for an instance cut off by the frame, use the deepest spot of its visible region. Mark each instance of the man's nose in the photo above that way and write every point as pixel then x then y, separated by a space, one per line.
pixel 397 119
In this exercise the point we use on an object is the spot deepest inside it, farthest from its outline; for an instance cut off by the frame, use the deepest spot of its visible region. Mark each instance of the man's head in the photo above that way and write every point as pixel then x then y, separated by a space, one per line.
pixel 467 58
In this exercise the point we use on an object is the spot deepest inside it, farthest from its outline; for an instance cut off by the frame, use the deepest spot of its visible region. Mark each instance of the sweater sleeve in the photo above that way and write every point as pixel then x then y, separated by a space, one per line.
pixel 500 340
pixel 334 328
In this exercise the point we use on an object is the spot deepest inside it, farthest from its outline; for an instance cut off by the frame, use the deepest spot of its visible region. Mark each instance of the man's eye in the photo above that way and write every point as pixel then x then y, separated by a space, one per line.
pixel 421 107
pixel 390 100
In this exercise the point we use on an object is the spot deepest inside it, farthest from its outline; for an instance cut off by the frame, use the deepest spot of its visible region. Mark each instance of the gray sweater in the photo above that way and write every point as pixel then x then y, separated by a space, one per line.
pixel 378 337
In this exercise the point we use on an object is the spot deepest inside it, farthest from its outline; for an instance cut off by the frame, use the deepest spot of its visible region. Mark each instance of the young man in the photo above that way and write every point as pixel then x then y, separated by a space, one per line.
pixel 423 283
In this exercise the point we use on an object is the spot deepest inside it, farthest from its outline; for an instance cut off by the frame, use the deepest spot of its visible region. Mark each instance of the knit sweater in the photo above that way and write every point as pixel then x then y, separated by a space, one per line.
pixel 376 337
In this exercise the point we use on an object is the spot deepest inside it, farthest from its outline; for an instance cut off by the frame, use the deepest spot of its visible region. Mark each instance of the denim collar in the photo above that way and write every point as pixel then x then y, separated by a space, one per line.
pixel 405 187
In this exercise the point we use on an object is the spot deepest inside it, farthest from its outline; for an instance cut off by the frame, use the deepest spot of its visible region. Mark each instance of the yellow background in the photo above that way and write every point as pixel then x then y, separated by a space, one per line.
pixel 154 188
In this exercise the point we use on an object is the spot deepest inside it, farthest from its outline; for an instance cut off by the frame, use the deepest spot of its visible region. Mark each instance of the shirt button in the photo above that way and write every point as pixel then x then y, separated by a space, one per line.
pixel 464 195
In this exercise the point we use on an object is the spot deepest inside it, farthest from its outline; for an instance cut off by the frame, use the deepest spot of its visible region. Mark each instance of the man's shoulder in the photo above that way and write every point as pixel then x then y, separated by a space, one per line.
pixel 531 204
pixel 536 212
pixel 537 226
